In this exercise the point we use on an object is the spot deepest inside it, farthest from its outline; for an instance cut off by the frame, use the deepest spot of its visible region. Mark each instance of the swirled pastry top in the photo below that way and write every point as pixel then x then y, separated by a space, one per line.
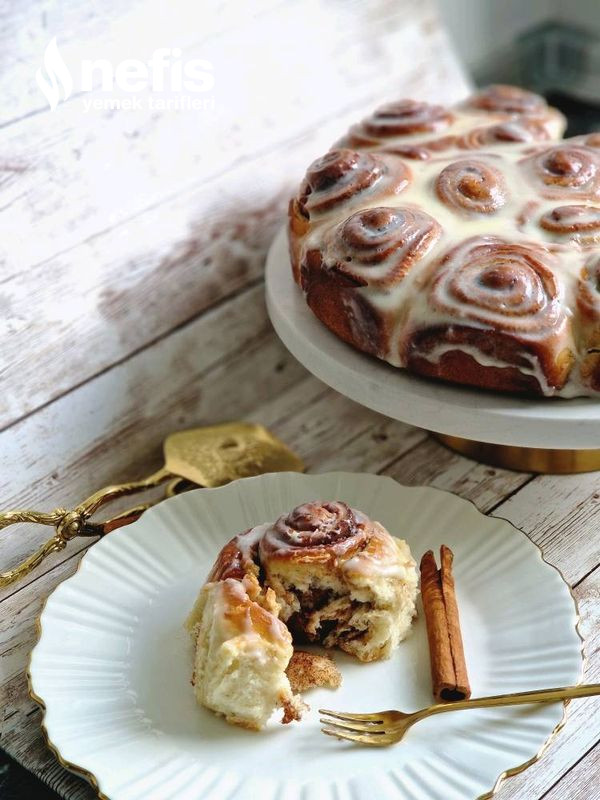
pixel 460 243
pixel 330 573
pixel 494 116
pixel 330 534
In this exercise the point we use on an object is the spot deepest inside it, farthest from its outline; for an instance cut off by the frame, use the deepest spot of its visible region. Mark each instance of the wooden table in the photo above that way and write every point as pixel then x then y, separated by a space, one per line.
pixel 133 247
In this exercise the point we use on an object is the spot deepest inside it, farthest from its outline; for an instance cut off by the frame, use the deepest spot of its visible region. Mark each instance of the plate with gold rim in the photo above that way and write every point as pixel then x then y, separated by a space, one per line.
pixel 113 662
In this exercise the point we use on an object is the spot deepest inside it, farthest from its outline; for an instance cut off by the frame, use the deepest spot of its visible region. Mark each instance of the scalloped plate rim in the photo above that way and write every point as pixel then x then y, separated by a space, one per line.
pixel 527 545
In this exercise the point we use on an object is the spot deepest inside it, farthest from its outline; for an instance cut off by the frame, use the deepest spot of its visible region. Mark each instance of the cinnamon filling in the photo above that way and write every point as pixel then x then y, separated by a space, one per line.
pixel 324 616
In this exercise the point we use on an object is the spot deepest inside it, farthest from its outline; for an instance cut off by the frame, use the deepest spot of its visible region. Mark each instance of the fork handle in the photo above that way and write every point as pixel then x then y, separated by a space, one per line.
pixel 518 698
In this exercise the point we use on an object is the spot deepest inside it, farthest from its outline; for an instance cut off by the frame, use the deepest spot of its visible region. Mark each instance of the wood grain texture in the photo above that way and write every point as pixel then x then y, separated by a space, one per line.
pixel 581 782
pixel 69 449
pixel 582 730
pixel 561 514
pixel 144 219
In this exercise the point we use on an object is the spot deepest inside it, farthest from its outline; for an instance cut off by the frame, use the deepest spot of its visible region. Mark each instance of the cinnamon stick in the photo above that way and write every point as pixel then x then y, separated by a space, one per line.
pixel 448 668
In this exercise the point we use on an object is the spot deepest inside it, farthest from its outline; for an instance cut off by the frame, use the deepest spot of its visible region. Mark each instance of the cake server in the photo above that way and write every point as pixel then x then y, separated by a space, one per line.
pixel 206 457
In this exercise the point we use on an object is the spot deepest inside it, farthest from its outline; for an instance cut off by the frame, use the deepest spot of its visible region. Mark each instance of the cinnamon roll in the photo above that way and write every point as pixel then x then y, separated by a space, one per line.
pixel 588 303
pixel 341 578
pixel 498 320
pixel 241 652
pixel 517 131
pixel 377 247
pixel 335 298
pixel 588 288
pixel 472 186
pixel 565 171
pixel 374 248
pixel 341 178
pixel 508 99
pixel 403 118
pixel 327 574
pixel 579 224
pixel 417 130
pixel 515 211
pixel 298 229
pixel 341 175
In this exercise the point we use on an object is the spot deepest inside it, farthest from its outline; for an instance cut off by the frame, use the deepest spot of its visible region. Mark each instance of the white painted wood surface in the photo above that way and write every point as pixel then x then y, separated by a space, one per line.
pixel 132 298
pixel 111 210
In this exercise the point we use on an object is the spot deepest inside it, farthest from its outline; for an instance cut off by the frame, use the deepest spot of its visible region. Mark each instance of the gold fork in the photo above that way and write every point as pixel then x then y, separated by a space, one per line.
pixel 388 727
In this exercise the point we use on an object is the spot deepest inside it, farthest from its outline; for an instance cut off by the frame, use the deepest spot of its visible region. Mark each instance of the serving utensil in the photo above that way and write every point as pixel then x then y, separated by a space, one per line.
pixel 207 457
pixel 383 728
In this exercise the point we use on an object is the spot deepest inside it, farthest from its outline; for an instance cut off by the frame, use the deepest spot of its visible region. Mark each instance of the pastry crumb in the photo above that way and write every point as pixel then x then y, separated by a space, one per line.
pixel 310 670
pixel 293 709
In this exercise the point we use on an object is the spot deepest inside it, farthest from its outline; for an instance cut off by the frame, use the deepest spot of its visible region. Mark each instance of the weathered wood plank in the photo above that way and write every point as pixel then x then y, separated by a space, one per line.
pixel 92 30
pixel 581 782
pixel 231 36
pixel 118 291
pixel 111 428
pixel 582 730
pixel 431 464
pixel 561 514
pixel 81 173
pixel 142 220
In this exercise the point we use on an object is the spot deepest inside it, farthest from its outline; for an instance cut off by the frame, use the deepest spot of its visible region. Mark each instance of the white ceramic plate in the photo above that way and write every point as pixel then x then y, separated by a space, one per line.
pixel 434 405
pixel 113 663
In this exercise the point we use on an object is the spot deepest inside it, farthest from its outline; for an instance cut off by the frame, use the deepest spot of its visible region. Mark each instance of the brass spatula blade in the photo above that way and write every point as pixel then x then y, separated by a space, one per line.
pixel 218 454
pixel 208 457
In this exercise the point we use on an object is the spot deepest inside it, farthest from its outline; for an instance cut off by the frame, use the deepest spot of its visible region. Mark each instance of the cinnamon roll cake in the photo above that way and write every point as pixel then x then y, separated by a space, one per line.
pixel 461 244
pixel 324 573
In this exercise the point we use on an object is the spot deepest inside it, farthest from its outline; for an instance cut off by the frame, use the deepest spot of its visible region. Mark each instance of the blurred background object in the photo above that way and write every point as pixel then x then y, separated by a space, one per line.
pixel 548 46
pixel 562 62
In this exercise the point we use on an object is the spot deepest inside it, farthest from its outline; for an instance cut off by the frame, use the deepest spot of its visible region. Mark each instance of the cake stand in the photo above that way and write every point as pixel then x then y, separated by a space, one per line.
pixel 533 435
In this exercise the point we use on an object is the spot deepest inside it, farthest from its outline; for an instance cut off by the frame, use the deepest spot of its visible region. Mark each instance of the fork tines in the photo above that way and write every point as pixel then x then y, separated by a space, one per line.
pixel 362 728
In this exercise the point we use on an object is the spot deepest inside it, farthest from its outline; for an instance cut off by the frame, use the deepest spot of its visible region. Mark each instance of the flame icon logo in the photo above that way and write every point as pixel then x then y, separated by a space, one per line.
pixel 56 76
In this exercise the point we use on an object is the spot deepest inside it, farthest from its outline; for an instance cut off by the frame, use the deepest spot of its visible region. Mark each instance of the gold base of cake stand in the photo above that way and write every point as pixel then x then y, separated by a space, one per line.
pixel 524 459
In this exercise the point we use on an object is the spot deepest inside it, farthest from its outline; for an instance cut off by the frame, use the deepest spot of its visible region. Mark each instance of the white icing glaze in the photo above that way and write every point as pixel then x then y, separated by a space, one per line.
pixel 406 304
pixel 241 623
pixel 465 120
pixel 248 540
pixel 314 525
pixel 437 352
pixel 381 560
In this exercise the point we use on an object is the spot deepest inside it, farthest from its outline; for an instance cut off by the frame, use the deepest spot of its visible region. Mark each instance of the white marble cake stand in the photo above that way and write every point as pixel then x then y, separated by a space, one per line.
pixel 535 435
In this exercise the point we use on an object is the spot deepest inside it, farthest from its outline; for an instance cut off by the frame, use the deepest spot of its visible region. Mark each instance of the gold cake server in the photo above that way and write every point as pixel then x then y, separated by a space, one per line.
pixel 207 457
